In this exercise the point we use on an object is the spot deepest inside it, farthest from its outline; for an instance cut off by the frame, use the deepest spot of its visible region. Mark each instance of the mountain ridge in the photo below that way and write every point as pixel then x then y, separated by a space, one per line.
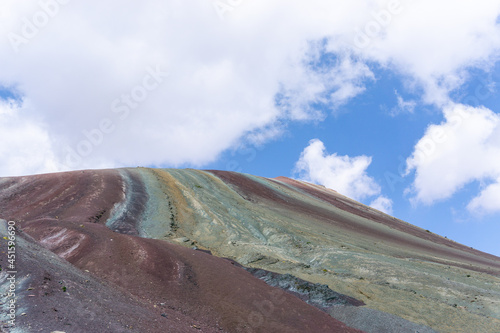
pixel 279 225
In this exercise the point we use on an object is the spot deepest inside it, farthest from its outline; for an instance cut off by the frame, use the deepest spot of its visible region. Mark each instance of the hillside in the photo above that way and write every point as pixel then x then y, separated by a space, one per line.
pixel 168 250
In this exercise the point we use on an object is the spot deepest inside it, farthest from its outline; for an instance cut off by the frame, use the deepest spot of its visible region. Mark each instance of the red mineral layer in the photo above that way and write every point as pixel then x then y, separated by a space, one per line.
pixel 80 196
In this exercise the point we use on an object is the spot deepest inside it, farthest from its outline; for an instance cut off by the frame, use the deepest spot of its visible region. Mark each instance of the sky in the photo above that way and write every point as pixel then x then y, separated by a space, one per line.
pixel 392 103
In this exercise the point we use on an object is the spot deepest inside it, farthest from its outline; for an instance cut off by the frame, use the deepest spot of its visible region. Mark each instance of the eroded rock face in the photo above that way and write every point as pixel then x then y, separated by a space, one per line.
pixel 130 233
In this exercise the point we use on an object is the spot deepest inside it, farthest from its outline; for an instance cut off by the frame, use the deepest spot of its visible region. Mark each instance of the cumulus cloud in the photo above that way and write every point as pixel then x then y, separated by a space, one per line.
pixel 228 78
pixel 466 34
pixel 347 175
pixel 487 201
pixel 464 148
pixel 383 204
pixel 86 75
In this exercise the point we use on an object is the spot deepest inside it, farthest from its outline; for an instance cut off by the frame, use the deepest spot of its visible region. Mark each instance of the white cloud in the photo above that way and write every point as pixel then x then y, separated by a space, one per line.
pixel 403 106
pixel 383 204
pixel 331 86
pixel 464 148
pixel 25 143
pixel 224 74
pixel 487 202
pixel 434 42
pixel 347 175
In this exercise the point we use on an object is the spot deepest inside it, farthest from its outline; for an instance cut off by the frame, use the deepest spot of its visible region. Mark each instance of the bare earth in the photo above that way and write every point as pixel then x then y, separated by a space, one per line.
pixel 114 251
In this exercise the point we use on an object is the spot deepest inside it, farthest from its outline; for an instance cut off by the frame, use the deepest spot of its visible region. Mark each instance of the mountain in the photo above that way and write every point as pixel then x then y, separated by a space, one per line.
pixel 168 250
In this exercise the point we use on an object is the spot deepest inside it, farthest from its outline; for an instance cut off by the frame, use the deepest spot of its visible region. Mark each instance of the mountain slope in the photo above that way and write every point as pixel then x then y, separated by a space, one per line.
pixel 133 229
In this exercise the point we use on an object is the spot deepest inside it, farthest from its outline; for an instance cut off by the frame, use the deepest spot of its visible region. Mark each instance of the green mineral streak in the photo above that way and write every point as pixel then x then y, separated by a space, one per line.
pixel 156 221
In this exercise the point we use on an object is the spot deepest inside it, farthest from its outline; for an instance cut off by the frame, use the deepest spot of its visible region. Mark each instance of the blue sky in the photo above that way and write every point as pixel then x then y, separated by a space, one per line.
pixel 394 103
